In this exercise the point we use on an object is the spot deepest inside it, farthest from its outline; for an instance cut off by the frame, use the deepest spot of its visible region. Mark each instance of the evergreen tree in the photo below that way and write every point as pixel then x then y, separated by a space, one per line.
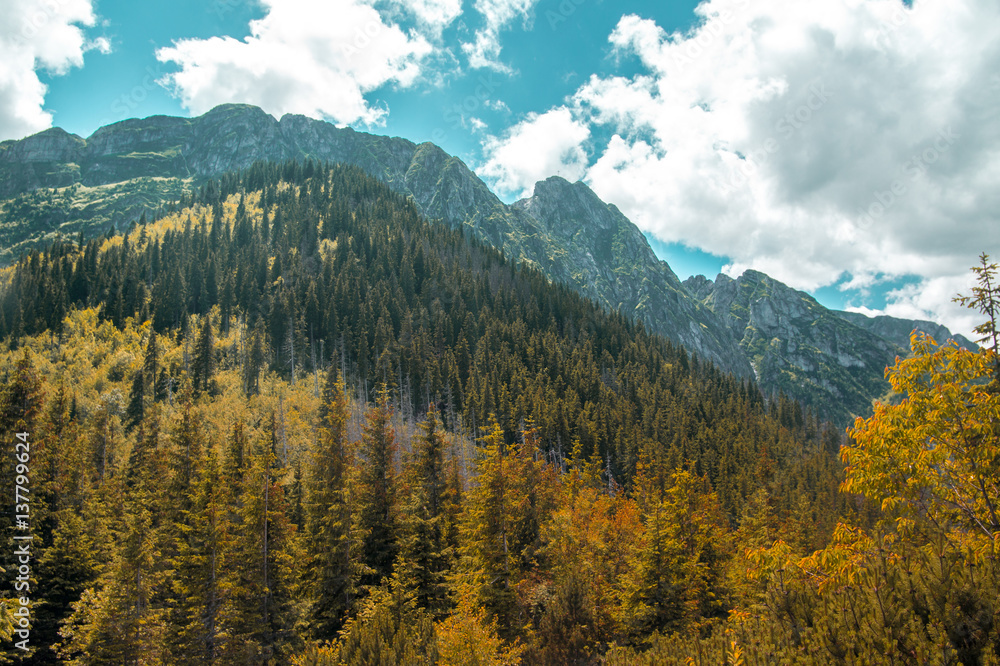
pixel 334 564
pixel 21 399
pixel 115 621
pixel 425 556
pixel 378 510
pixel 136 409
pixel 489 562
pixel 390 629
pixel 65 570
pixel 203 368
pixel 259 613
pixel 198 585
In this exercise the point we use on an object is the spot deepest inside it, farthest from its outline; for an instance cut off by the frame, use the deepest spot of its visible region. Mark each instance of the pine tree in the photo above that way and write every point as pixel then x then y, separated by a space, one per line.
pixel 390 629
pixel 332 543
pixel 21 399
pixel 150 365
pixel 254 362
pixel 258 611
pixel 203 368
pixel 489 561
pixel 65 570
pixel 425 556
pixel 198 585
pixel 136 409
pixel 676 572
pixel 378 511
pixel 115 622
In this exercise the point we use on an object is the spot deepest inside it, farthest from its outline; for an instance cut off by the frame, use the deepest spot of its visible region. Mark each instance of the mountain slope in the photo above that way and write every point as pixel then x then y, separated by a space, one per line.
pixel 598 251
pixel 898 330
pixel 798 346
pixel 168 155
pixel 55 184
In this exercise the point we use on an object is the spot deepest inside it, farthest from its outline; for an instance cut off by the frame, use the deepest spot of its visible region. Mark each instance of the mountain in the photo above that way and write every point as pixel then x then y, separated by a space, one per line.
pixel 598 251
pixel 834 361
pixel 174 378
pixel 123 169
pixel 55 184
pixel 798 346
pixel 898 330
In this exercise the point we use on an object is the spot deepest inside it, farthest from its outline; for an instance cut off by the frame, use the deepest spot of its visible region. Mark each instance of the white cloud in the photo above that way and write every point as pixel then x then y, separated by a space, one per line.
pixel 497 105
pixel 433 14
pixel 809 138
pixel 932 300
pixel 38 35
pixel 540 146
pixel 484 51
pixel 315 57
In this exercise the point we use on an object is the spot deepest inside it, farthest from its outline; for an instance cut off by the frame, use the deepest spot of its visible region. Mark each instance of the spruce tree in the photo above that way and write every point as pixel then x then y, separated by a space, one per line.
pixel 334 560
pixel 203 368
pixel 203 548
pixel 378 512
pixel 116 621
pixel 258 613
pixel 136 409
pixel 425 557
pixel 489 564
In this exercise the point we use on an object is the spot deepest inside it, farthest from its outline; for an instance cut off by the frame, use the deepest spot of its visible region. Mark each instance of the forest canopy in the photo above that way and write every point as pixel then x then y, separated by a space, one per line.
pixel 291 421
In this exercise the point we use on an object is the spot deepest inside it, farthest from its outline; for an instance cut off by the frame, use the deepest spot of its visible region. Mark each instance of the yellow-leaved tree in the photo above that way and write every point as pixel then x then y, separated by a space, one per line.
pixel 921 582
pixel 934 458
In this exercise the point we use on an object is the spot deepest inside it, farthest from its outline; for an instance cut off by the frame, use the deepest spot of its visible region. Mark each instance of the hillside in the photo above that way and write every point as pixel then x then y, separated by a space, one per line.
pixel 124 169
pixel 60 186
pixel 180 384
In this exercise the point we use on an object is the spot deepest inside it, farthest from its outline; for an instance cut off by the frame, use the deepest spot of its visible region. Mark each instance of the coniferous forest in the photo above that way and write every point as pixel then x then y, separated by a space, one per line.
pixel 286 420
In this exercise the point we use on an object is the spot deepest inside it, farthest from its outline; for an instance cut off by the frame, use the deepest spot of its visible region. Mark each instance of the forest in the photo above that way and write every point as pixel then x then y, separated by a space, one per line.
pixel 286 420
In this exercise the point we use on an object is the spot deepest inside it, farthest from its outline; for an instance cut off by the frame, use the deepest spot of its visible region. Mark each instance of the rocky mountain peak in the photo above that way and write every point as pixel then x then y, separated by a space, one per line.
pixel 52 145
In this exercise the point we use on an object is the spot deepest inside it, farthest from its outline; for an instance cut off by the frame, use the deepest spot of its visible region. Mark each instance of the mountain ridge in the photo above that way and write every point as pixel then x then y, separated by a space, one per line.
pixel 58 184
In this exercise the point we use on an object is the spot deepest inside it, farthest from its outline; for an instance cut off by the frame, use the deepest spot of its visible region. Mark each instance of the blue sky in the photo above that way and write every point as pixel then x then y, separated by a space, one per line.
pixel 833 144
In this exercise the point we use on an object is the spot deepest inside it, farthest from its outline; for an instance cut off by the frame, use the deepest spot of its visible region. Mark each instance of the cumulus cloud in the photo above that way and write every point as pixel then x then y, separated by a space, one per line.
pixel 432 14
pixel 315 57
pixel 550 144
pixel 810 138
pixel 932 300
pixel 38 35
pixel 484 50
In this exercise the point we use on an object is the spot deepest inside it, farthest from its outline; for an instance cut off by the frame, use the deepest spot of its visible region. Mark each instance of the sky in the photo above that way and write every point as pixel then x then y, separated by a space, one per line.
pixel 848 148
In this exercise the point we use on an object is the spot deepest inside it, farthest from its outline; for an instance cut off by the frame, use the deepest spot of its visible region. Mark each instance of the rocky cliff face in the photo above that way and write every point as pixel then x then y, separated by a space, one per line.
pixel 898 331
pixel 798 346
pixel 227 138
pixel 593 247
